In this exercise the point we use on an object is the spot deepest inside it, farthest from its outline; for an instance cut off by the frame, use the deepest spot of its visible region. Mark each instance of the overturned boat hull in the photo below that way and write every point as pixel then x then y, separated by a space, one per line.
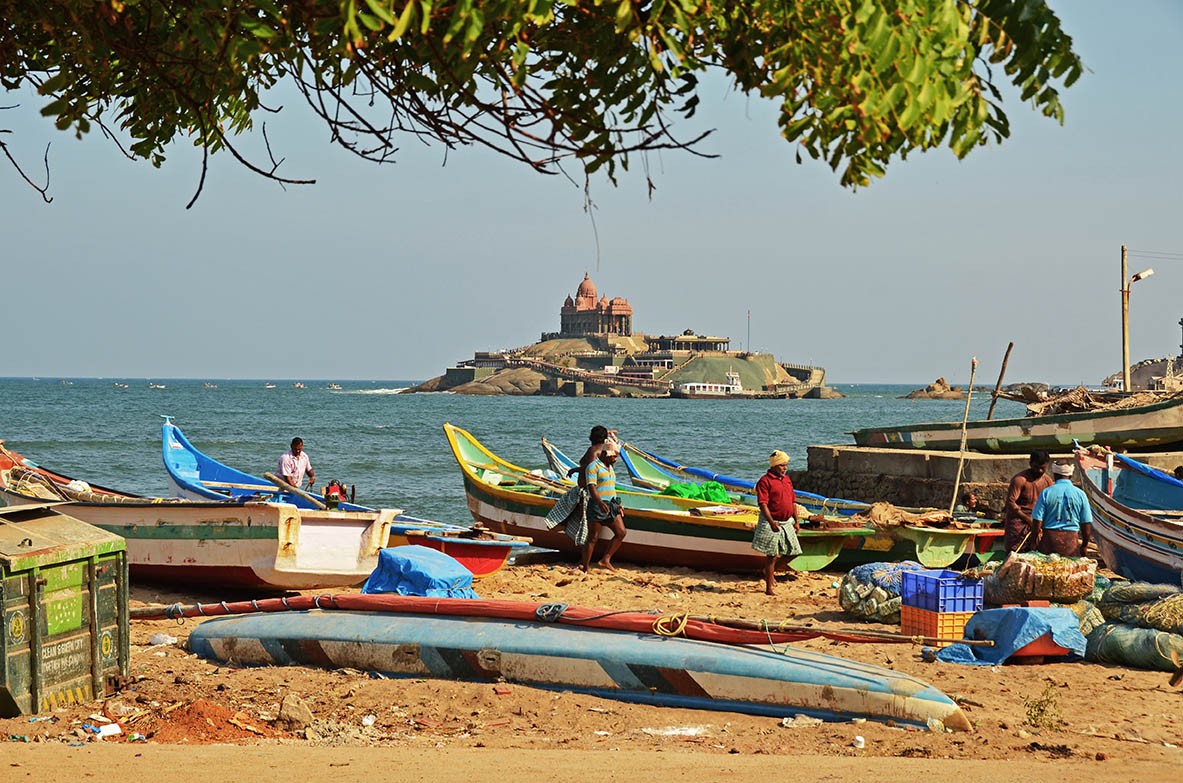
pixel 624 665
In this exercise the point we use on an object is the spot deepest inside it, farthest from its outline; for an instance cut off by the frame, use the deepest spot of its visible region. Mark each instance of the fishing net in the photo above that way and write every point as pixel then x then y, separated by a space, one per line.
pixel 872 591
pixel 1159 607
pixel 1142 648
pixel 1101 584
pixel 882 515
pixel 1033 576
pixel 1088 615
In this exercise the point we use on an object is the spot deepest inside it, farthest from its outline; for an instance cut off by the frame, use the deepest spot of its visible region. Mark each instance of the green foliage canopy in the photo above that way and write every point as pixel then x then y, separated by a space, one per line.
pixel 858 82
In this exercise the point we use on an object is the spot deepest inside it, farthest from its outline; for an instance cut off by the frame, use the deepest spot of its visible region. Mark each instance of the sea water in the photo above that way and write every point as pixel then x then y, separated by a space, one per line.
pixel 391 445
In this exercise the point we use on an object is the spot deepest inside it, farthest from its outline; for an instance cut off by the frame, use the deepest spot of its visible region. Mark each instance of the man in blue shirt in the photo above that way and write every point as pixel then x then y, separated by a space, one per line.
pixel 1062 516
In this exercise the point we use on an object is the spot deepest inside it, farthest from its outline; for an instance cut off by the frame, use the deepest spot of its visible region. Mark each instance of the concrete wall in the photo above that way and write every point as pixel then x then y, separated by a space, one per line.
pixel 908 477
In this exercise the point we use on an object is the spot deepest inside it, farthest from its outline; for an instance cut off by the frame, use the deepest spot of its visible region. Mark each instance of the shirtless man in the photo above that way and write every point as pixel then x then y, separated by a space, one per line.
pixel 1020 502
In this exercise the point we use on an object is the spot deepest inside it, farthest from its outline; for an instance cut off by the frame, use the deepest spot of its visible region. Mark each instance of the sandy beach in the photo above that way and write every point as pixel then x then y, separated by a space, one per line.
pixel 1117 724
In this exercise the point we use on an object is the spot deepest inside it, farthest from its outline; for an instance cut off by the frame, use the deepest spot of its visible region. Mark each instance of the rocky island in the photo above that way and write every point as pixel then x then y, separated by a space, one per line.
pixel 597 353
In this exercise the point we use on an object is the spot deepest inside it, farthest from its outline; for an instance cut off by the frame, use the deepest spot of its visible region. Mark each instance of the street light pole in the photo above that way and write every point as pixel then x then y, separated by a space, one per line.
pixel 1125 325
pixel 1125 317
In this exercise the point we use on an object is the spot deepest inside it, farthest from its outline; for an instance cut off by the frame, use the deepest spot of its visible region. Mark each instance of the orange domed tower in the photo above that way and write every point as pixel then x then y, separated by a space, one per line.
pixel 591 314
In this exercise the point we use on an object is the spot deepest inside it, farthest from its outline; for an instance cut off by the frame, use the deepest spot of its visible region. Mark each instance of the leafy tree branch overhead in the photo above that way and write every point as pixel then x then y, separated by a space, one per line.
pixel 858 82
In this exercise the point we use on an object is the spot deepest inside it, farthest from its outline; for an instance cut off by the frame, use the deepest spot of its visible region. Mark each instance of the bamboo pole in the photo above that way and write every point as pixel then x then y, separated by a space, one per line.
pixel 998 386
pixel 973 371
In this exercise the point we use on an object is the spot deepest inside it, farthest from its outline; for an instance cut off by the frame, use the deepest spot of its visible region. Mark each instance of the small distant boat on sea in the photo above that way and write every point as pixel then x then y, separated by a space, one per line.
pixel 269 386
pixel 1137 516
pixel 297 385
pixel 731 390
pixel 152 385
pixel 208 385
pixel 64 382
pixel 1152 427
pixel 119 385
pixel 334 386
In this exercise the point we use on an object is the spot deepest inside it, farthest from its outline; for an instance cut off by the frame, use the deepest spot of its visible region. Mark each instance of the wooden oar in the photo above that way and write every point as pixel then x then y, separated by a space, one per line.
pixel 525 478
pixel 286 487
pixel 779 627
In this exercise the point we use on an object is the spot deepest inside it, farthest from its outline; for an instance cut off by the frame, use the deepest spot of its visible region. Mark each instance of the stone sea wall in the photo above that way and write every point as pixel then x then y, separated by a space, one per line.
pixel 914 491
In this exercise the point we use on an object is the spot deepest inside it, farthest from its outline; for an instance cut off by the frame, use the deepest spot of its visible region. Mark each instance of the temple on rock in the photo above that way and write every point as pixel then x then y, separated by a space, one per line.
pixel 586 316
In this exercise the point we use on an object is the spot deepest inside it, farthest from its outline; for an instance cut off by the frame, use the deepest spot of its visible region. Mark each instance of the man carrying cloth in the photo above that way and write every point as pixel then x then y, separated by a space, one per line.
pixel 1062 517
pixel 776 532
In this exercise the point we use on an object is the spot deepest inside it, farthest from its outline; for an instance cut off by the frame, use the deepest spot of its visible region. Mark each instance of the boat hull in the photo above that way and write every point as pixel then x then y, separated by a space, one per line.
pixel 1148 427
pixel 195 476
pixel 1134 543
pixel 263 546
pixel 622 665
pixel 662 530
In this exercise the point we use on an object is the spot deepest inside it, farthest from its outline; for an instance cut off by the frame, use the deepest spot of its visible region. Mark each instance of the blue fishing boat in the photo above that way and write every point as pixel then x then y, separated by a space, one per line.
pixel 196 476
pixel 1137 516
pixel 617 664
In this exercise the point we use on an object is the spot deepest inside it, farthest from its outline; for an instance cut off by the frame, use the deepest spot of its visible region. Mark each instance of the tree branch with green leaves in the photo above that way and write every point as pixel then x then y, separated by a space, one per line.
pixel 858 83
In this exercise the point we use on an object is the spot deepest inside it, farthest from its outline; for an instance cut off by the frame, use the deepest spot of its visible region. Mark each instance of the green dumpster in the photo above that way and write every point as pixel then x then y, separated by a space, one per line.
pixel 63 599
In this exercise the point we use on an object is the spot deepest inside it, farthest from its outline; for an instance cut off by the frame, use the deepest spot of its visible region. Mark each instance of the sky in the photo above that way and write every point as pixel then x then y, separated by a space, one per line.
pixel 399 271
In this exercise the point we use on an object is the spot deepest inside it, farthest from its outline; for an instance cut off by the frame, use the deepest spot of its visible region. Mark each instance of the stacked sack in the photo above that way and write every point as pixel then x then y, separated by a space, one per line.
pixel 1033 576
pixel 872 591
pixel 1144 628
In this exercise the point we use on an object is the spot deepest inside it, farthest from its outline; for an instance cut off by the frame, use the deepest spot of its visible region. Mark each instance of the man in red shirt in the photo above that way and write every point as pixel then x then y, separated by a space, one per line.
pixel 776 532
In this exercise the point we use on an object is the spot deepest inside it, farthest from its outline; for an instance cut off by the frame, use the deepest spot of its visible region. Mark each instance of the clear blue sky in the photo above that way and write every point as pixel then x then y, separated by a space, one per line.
pixel 399 271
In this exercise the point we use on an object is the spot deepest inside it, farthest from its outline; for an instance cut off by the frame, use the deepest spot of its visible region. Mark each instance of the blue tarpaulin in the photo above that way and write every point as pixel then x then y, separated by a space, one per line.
pixel 1012 629
pixel 418 570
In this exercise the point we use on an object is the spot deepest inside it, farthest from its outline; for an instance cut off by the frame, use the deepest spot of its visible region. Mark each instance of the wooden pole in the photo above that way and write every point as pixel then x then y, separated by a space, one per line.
pixel 973 371
pixel 286 487
pixel 998 386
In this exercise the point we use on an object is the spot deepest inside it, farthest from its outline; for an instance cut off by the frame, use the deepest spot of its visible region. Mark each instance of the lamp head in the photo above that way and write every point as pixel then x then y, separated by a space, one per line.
pixel 1145 273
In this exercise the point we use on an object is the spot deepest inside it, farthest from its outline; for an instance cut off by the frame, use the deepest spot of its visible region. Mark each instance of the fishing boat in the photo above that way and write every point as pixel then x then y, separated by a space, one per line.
pixel 152 385
pixel 603 653
pixel 1137 516
pixel 269 386
pixel 334 387
pixel 1154 427
pixel 196 476
pixel 247 544
pixel 932 546
pixel 119 385
pixel 208 385
pixel 663 530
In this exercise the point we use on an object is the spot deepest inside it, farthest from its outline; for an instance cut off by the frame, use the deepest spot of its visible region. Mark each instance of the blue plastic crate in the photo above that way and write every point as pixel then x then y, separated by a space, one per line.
pixel 941 591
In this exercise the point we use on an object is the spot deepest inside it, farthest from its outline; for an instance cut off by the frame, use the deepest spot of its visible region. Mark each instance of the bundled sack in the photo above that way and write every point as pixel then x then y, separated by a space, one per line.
pixel 872 591
pixel 1144 605
pixel 1033 576
pixel 1140 648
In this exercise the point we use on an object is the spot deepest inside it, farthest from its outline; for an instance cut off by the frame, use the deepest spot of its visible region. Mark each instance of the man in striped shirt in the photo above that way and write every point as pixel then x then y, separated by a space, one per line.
pixel 603 506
